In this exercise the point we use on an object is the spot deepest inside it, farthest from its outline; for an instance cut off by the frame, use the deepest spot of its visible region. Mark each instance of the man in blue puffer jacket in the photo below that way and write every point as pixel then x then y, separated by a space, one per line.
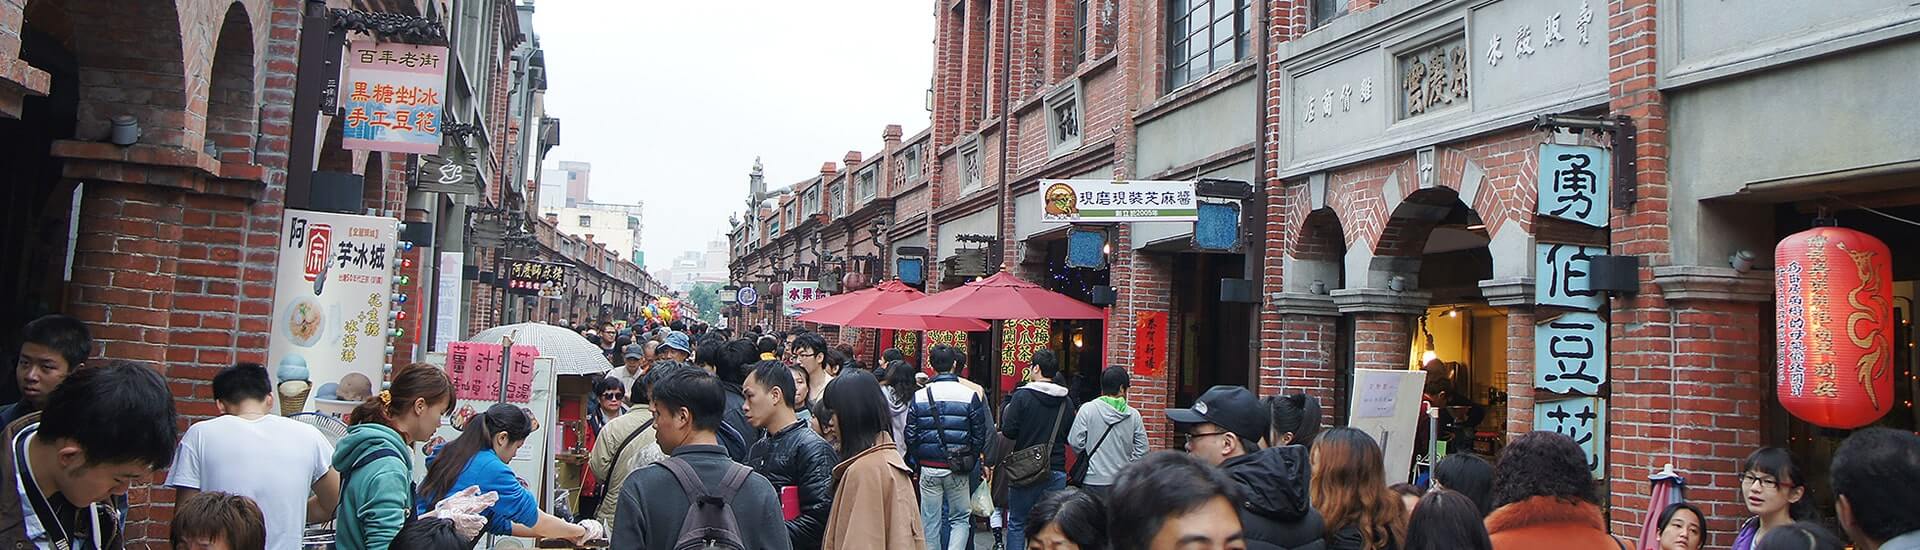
pixel 946 432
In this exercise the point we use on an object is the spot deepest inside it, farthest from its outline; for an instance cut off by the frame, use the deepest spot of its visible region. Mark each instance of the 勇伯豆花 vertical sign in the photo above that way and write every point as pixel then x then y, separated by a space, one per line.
pixel 332 300
pixel 393 97
pixel 1570 354
pixel 1564 276
pixel 1584 419
pixel 1574 183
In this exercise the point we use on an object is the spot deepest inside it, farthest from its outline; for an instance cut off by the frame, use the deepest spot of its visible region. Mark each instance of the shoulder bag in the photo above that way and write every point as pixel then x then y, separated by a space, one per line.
pixel 1077 475
pixel 1028 466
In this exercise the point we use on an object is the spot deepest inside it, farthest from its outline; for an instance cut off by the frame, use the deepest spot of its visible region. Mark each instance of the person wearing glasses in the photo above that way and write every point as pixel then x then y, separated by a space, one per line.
pixel 609 402
pixel 809 350
pixel 1223 429
pixel 1772 486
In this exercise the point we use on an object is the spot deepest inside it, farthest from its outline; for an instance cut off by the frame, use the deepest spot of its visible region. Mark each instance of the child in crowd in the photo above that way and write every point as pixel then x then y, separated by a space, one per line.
pixel 218 521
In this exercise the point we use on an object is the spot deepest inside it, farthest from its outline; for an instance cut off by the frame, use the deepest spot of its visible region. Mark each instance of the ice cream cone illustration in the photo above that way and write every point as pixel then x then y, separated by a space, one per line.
pixel 293 396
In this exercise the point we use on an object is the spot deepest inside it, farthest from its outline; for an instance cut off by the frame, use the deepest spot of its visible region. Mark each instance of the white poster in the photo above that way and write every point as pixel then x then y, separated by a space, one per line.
pixel 798 292
pixel 332 304
pixel 446 321
pixel 1397 392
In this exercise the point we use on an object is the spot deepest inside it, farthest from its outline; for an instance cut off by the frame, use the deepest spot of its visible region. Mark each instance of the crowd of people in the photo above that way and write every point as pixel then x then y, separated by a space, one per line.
pixel 716 440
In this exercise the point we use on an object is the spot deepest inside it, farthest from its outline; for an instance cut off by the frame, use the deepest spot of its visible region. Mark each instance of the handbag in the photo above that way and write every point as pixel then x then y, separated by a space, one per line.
pixel 1077 475
pixel 1028 466
pixel 962 464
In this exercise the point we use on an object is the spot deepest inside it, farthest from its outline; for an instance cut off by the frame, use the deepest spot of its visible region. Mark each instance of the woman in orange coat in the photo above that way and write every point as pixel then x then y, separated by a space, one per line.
pixel 1543 497
pixel 875 501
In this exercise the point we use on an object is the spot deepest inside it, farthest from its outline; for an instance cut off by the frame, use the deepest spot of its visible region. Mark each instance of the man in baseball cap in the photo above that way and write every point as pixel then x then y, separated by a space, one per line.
pixel 1224 428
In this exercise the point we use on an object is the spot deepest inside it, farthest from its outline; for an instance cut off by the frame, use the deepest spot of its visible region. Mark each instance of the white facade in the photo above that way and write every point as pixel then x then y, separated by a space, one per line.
pixel 615 225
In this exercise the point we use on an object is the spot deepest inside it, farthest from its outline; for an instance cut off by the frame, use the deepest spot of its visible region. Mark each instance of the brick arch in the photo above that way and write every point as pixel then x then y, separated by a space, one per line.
pixel 1321 237
pixel 131 62
pixel 1413 220
pixel 232 119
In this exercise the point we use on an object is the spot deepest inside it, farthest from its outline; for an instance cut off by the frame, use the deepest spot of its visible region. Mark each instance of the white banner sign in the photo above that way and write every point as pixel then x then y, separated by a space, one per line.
pixel 331 303
pixel 446 322
pixel 796 292
pixel 1117 201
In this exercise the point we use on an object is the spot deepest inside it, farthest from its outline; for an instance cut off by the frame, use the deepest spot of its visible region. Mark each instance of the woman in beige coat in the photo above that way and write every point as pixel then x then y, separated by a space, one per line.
pixel 875 502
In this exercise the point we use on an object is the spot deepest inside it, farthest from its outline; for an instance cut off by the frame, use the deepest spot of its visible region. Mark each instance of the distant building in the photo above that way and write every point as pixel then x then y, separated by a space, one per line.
pixel 553 190
pixel 615 225
pixel 577 177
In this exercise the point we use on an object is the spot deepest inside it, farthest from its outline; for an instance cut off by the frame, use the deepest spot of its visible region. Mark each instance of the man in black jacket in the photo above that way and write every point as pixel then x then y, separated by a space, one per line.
pixel 1223 429
pixel 1037 413
pixel 687 405
pixel 791 455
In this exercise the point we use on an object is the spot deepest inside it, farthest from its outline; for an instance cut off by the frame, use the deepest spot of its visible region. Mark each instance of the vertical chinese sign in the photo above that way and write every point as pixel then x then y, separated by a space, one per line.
pixel 1019 338
pixel 955 338
pixel 393 97
pixel 332 302
pixel 1570 340
pixel 1150 343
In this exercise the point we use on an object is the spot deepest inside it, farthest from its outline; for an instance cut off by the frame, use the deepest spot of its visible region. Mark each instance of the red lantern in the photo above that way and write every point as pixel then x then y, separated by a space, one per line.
pixel 1833 288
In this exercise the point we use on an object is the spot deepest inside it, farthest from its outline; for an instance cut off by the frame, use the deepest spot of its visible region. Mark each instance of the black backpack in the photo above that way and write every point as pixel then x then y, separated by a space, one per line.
pixel 709 524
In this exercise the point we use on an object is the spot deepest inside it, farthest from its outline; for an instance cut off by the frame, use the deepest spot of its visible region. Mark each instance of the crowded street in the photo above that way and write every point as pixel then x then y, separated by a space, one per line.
pixel 960 275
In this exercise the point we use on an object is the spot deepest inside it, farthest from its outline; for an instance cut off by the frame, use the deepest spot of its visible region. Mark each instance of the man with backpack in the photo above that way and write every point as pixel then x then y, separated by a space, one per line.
pixel 625 444
pixel 946 432
pixel 1037 419
pixel 697 497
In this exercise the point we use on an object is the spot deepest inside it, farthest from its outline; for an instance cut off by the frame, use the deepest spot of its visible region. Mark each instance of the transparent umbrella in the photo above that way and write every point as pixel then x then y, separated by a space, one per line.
pixel 571 352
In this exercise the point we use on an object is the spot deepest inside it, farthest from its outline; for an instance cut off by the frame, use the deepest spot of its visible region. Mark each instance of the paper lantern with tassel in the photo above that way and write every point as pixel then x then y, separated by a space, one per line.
pixel 1833 288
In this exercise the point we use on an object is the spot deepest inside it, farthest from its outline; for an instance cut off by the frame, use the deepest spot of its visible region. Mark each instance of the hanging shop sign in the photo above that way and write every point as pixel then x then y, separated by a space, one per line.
pixel 1584 419
pixel 1833 288
pixel 475 367
pixel 1574 180
pixel 747 296
pixel 1570 354
pixel 1565 273
pixel 1019 338
pixel 907 342
pixel 451 172
pixel 544 279
pixel 955 338
pixel 393 97
pixel 1150 343
pixel 795 292
pixel 332 302
pixel 1117 201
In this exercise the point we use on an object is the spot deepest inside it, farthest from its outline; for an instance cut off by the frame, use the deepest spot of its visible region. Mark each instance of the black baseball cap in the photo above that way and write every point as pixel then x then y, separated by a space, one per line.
pixel 1231 407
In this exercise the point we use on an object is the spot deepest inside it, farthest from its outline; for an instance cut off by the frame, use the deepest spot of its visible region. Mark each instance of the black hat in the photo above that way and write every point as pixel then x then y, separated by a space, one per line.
pixel 1230 407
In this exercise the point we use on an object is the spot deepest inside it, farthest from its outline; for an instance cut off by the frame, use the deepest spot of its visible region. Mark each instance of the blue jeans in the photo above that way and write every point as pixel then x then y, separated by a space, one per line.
pixel 944 509
pixel 1020 501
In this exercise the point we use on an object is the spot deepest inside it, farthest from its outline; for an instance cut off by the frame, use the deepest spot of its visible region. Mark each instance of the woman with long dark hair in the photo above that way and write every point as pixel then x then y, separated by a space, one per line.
pixel 1682 527
pixel 1296 419
pixel 1447 520
pixel 1468 474
pixel 1773 486
pixel 479 457
pixel 1350 490
pixel 375 458
pixel 875 501
pixel 900 387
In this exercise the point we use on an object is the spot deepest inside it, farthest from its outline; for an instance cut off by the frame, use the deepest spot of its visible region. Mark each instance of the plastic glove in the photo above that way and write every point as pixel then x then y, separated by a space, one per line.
pixel 468 501
pixel 595 532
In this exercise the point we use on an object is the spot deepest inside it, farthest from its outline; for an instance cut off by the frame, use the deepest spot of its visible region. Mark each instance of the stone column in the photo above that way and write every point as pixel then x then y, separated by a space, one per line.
pixel 1383 327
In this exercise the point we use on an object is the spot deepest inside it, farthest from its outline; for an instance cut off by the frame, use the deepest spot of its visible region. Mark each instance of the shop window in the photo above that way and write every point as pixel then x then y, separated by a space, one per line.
pixel 1078 49
pixel 586 221
pixel 1204 36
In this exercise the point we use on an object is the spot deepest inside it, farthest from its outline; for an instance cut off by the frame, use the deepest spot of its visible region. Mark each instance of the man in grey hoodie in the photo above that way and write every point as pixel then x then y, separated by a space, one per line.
pixel 1109 432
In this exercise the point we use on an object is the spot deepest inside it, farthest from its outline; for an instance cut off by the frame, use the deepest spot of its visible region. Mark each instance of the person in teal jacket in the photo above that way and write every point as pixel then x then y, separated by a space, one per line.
pixel 375 459
pixel 479 457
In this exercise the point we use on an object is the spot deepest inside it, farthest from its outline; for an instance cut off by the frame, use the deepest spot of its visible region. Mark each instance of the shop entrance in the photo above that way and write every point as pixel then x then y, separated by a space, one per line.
pixel 1212 336
pixel 1460 341
pixel 39 203
pixel 1812 446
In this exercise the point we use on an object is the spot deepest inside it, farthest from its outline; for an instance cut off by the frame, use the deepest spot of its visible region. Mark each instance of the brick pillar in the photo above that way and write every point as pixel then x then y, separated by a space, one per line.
pixel 1384 325
pixel 1308 333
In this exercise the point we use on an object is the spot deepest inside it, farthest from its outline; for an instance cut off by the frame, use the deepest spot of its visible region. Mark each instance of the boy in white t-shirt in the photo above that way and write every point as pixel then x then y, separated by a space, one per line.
pixel 280 463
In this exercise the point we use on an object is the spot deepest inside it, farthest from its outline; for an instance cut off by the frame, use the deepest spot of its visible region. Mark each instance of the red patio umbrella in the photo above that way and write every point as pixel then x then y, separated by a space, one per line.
pixel 861 310
pixel 998 297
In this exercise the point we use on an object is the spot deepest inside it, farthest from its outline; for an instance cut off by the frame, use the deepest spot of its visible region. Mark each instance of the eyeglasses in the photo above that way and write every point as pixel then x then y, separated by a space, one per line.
pixel 1764 482
pixel 1187 438
pixel 805 355
pixel 613 395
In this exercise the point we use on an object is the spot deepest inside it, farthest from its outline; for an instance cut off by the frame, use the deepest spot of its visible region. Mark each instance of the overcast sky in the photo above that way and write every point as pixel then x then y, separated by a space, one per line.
pixel 671 101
